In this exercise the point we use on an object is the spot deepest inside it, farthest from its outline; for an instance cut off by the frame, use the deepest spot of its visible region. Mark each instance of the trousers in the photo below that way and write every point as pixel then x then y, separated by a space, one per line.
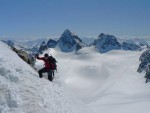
pixel 44 70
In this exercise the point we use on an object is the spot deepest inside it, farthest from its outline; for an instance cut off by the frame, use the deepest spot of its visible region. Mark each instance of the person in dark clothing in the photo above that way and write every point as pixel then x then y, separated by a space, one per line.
pixel 47 68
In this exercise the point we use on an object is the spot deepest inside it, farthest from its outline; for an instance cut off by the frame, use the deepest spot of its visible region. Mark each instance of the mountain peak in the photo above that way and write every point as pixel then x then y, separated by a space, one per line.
pixel 69 41
pixel 105 43
pixel 102 35
pixel 67 31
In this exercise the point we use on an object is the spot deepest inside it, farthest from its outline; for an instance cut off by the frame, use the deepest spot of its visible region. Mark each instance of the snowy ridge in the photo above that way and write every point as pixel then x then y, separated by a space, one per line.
pixel 21 91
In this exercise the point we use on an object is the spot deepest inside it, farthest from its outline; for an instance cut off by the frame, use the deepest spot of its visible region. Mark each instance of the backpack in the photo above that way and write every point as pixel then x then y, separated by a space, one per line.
pixel 52 62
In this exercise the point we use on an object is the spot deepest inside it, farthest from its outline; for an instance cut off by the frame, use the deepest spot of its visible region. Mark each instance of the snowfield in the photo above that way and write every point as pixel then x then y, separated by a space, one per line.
pixel 88 82
pixel 107 83
pixel 21 91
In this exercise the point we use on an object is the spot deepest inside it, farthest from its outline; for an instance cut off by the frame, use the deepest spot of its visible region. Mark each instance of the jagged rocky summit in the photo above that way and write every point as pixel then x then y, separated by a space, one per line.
pixel 105 43
pixel 69 42
pixel 145 60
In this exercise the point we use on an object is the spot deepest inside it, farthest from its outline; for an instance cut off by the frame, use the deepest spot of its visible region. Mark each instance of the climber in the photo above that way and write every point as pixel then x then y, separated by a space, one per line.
pixel 48 67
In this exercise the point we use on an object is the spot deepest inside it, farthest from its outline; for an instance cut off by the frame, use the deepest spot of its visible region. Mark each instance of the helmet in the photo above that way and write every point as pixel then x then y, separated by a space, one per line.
pixel 46 55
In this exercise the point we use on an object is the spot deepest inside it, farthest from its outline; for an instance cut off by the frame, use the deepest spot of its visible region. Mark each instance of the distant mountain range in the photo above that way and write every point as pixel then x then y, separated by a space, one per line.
pixel 69 42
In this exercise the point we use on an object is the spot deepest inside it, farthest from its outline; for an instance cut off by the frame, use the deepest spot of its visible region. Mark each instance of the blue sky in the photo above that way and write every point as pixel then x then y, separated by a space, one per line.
pixel 49 18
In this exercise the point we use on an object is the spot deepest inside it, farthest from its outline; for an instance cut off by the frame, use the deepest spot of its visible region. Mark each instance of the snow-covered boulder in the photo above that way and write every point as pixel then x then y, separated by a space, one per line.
pixel 105 43
pixel 22 91
pixel 51 43
pixel 145 59
pixel 69 42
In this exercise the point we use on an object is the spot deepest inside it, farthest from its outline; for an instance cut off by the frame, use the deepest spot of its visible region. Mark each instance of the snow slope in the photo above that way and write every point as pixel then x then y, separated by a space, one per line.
pixel 107 83
pixel 21 91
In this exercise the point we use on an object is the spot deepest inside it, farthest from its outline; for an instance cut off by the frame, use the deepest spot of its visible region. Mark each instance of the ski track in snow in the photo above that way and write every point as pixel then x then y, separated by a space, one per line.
pixel 21 91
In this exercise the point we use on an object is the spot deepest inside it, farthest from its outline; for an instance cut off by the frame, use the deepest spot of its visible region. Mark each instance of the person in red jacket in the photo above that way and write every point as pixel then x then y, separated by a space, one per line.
pixel 47 67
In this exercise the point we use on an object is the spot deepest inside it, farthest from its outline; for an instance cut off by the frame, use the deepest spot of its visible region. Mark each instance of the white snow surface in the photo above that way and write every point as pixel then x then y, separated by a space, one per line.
pixel 88 82
pixel 106 83
pixel 21 91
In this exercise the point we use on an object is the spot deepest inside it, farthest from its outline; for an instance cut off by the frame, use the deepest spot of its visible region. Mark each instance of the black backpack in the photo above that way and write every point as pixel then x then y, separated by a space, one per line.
pixel 52 62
